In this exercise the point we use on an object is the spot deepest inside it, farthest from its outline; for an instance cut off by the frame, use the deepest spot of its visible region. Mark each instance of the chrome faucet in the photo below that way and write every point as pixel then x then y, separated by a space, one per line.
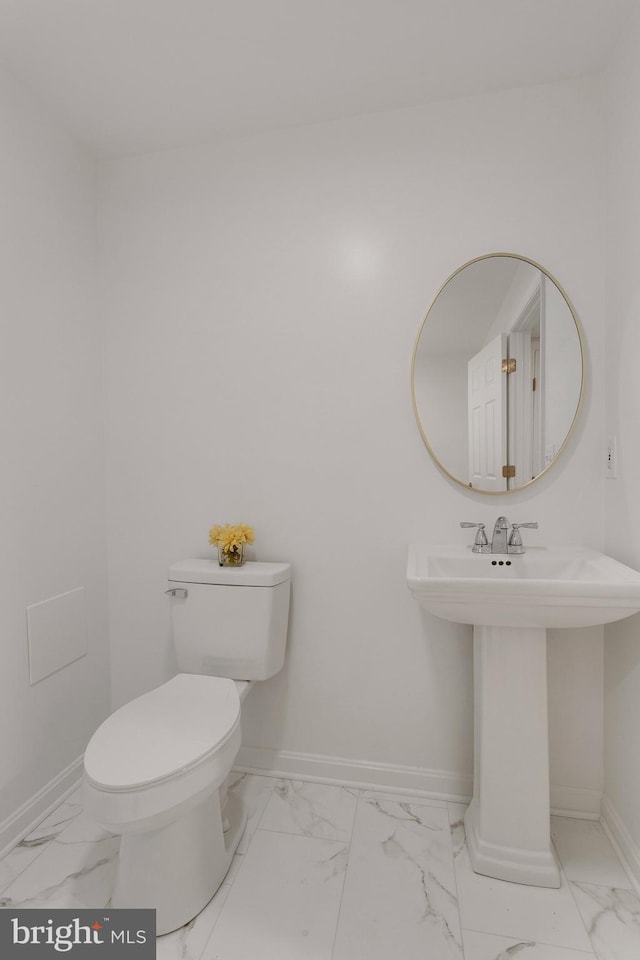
pixel 499 539
pixel 501 542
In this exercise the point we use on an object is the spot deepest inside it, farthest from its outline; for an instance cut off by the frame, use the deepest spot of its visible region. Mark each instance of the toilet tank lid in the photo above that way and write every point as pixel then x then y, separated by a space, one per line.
pixel 254 573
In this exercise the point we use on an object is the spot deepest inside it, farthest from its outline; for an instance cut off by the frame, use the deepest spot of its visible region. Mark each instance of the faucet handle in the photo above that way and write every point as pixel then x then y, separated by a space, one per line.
pixel 480 539
pixel 515 540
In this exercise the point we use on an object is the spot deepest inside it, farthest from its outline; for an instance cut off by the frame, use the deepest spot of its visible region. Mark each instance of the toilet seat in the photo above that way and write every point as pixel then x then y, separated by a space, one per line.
pixel 163 734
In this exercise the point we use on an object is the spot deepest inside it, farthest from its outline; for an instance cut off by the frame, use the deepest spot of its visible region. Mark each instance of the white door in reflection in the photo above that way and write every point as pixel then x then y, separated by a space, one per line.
pixel 487 398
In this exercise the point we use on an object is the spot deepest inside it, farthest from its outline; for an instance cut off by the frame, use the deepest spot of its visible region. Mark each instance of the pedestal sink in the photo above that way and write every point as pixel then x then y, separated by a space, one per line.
pixel 511 600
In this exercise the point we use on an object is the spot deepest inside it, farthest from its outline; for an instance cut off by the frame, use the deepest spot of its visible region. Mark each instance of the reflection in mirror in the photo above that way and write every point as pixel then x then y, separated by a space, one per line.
pixel 498 373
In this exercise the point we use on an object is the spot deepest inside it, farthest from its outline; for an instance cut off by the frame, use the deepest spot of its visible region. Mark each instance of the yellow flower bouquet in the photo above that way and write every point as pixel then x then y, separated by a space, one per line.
pixel 230 540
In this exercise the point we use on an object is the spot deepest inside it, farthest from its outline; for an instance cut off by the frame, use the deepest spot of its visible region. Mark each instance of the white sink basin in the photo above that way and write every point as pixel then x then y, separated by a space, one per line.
pixel 545 587
pixel 511 600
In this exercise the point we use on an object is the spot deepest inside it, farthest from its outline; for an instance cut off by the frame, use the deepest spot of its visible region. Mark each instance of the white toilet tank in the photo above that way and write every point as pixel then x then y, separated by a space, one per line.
pixel 230 621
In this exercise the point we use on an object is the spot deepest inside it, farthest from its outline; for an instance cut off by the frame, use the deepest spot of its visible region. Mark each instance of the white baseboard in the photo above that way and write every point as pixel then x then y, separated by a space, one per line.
pixel 622 841
pixel 413 781
pixel 34 810
pixel 576 802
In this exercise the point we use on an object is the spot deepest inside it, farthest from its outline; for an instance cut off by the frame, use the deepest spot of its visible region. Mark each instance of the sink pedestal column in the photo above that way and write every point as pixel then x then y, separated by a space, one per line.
pixel 507 823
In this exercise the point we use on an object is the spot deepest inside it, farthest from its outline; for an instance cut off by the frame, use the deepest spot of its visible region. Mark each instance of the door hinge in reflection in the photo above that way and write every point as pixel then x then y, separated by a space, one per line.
pixel 509 365
pixel 509 470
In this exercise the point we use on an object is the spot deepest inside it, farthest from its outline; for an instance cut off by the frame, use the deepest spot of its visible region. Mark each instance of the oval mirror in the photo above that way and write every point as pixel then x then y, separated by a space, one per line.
pixel 498 373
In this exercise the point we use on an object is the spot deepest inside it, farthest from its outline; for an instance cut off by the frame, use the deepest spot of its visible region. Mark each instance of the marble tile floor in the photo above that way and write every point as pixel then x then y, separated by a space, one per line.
pixel 326 872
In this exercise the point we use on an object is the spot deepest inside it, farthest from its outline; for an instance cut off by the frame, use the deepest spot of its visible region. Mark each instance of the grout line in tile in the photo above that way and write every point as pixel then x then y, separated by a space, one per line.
pixel 589 954
pixel 566 880
pixel 339 913
pixel 622 860
pixel 15 876
pixel 544 943
pixel 303 836
pixel 359 797
pixel 349 847
pixel 215 924
pixel 44 842
pixel 455 871
pixel 263 811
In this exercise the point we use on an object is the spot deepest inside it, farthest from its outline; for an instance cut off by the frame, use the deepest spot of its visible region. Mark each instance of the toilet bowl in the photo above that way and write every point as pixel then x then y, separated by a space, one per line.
pixel 156 770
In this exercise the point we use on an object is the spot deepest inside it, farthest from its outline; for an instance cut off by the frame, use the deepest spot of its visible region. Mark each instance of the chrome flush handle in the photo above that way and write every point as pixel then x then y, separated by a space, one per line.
pixel 177 592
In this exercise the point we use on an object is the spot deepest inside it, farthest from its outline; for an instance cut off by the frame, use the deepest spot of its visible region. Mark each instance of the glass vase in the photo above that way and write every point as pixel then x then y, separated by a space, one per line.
pixel 231 556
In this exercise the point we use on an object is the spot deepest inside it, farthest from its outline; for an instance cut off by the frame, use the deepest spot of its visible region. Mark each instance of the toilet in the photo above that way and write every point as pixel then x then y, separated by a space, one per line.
pixel 156 770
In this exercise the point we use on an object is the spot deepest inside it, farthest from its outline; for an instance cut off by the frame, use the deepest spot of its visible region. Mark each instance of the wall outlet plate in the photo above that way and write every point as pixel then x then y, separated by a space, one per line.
pixel 611 464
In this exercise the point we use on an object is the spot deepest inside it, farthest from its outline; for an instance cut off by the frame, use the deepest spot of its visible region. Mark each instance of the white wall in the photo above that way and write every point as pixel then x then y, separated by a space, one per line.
pixel 51 434
pixel 562 374
pixel 262 301
pixel 622 650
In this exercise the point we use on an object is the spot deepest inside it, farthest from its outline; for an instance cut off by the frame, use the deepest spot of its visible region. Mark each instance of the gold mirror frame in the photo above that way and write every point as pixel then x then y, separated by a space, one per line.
pixel 467 485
